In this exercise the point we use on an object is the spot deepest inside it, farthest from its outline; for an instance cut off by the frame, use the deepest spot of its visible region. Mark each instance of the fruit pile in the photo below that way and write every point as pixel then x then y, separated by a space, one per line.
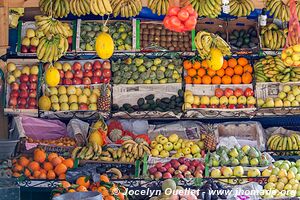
pixel 85 73
pixel 63 141
pixel 121 33
pixel 233 71
pixel 65 98
pixel 244 39
pixel 273 37
pixel 162 147
pixel 237 171
pixel 241 8
pixel 177 168
pixel 273 69
pixel 283 180
pixel 287 97
pixel 150 103
pixel 228 98
pixel 23 85
pixel 291 56
pixel 283 142
pixel 159 35
pixel 42 166
pixel 90 152
pixel 108 189
pixel 143 70
pixel 245 156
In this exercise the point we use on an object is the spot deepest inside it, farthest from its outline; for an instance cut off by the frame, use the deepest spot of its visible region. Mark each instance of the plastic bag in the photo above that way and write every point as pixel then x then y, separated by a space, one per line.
pixel 181 16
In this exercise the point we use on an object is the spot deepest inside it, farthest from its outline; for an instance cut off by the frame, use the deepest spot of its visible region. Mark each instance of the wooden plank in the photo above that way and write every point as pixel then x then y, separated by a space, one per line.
pixel 4 27
pixel 23 3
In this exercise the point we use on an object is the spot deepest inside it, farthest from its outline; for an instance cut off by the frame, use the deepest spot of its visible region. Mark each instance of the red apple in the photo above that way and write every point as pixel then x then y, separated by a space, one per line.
pixel 202 106
pixel 14 93
pixel 181 160
pixel 67 81
pixel 32 86
pixel 88 66
pixel 248 92
pixel 152 170
pixel 171 170
pixel 158 165
pixel 175 163
pixel 201 166
pixel 167 175
pixel 167 165
pixel 24 94
pixel 213 106
pixel 158 175
pixel 194 106
pixel 105 80
pixel 238 92
pixel 97 65
pixel 88 73
pixel 231 106
pixel 32 93
pixel 162 169
pixel 251 106
pixel 13 101
pixel 95 80
pixel 106 73
pixel 33 78
pixel 68 74
pixel 192 169
pixel 32 49
pixel 14 86
pixel 179 176
pixel 86 81
pixel 24 49
pixel 106 65
pixel 24 78
pixel 219 92
pixel 223 106
pixel 83 106
pixel 32 102
pixel 61 73
pixel 70 40
pixel 23 86
pixel 22 106
pixel 76 66
pixel 98 72
pixel 240 106
pixel 22 101
pixel 77 81
pixel 78 74
pixel 228 92
pixel 183 168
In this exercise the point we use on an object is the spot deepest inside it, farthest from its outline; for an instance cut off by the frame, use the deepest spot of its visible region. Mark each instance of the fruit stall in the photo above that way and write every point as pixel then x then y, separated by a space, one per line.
pixel 149 99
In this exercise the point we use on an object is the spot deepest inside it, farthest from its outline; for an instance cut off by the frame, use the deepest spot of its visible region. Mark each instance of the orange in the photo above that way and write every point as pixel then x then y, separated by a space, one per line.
pixel 232 62
pixel 225 64
pixel 238 70
pixel 60 169
pixel 65 184
pixel 196 65
pixel 197 80
pixel 71 190
pixel 110 197
pixel 206 79
pixel 229 71
pixel 43 171
pixel 27 173
pixel 56 161
pixel 191 72
pixel 221 72
pixel 16 174
pixel 51 156
pixel 211 72
pixel 23 161
pixel 188 80
pixel 246 78
pixel 62 177
pixel 33 166
pixel 121 196
pixel 18 168
pixel 242 61
pixel 248 68
pixel 83 181
pixel 43 176
pixel 236 79
pixel 51 175
pixel 187 64
pixel 104 178
pixel 103 191
pixel 39 155
pixel 81 188
pixel 201 72
pixel 226 79
pixel 36 174
pixel 216 80
pixel 48 166
pixel 69 163
pixel 204 64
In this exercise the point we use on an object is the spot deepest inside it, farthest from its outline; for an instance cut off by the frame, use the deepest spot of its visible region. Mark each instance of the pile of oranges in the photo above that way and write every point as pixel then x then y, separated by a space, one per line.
pixel 42 166
pixel 233 71
pixel 109 191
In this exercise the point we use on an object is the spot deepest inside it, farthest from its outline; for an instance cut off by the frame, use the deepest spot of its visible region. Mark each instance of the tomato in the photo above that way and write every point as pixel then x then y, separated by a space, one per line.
pixel 183 15
pixel 173 11
pixel 190 23
pixel 167 22
pixel 175 22
pixel 190 9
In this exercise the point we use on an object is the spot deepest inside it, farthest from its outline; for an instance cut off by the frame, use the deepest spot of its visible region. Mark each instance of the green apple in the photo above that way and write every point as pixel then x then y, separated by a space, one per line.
pixel 294 170
pixel 223 100
pixel 195 149
pixel 246 149
pixel 242 100
pixel 189 144
pixel 227 171
pixel 281 95
pixel 154 152
pixel 164 154
pixel 294 181
pixel 238 171
pixel 232 100
pixel 266 172
pixel 233 153
pixel 273 179
pixel 260 102
pixel 269 103
pixel 298 163
pixel 284 166
pixel 286 88
pixel 275 171
pixel 295 103
pixel 290 97
pixel 157 138
pixel 159 147
pixel 204 100
pixel 177 146
pixel 153 144
pixel 251 100
pixel 253 172
pixel 173 138
pixel 163 140
pixel 288 187
pixel 279 186
pixel 291 175
pixel 186 150
pixel 296 90
pixel 168 146
pixel 196 100
pixel 270 186
pixel 298 177
pixel 189 156
pixel 278 163
pixel 254 162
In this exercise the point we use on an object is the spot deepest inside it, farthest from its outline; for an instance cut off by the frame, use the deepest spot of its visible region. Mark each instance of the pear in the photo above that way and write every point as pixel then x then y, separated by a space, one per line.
pixel 234 153
pixel 245 161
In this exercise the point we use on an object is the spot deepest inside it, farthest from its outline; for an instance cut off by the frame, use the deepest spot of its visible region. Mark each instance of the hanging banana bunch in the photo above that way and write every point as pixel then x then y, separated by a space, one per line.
pixel 55 8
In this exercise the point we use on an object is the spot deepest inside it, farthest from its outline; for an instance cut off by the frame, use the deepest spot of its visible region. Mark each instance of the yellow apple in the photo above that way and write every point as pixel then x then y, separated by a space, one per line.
pixel 173 138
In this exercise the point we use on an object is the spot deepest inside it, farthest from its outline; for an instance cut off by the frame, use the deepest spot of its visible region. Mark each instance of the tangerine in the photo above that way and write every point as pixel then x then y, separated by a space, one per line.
pixel 226 79
pixel 238 70
pixel 246 78
pixel 197 80
pixel 216 80
pixel 236 79
pixel 187 64
pixel 60 169
pixel 206 79
pixel 188 80
pixel 221 72
pixel 196 65
pixel 232 62
pixel 248 68
pixel 201 72
pixel 211 72
pixel 229 71
pixel 191 72
pixel 242 61
pixel 51 175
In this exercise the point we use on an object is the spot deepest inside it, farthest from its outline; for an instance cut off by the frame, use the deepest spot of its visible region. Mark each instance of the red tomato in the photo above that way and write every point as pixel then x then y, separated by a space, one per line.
pixel 173 11
pixel 190 23
pixel 190 9
pixel 183 15
pixel 175 22
pixel 167 22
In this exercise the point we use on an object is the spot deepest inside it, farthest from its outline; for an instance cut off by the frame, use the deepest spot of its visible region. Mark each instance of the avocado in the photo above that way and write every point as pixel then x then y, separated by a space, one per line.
pixel 157 101
pixel 126 106
pixel 165 100
pixel 145 106
pixel 162 105
pixel 233 42
pixel 150 101
pixel 246 40
pixel 135 107
pixel 115 107
pixel 242 33
pixel 179 100
pixel 141 102
pixel 172 106
pixel 122 109
pixel 173 98
pixel 232 37
pixel 150 97
pixel 153 106
pixel 239 44
pixel 130 110
pixel 236 33
pixel 180 93
pixel 159 109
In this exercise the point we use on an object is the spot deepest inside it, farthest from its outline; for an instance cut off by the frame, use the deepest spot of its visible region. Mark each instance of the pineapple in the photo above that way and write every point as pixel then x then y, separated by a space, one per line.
pixel 104 99
pixel 210 142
